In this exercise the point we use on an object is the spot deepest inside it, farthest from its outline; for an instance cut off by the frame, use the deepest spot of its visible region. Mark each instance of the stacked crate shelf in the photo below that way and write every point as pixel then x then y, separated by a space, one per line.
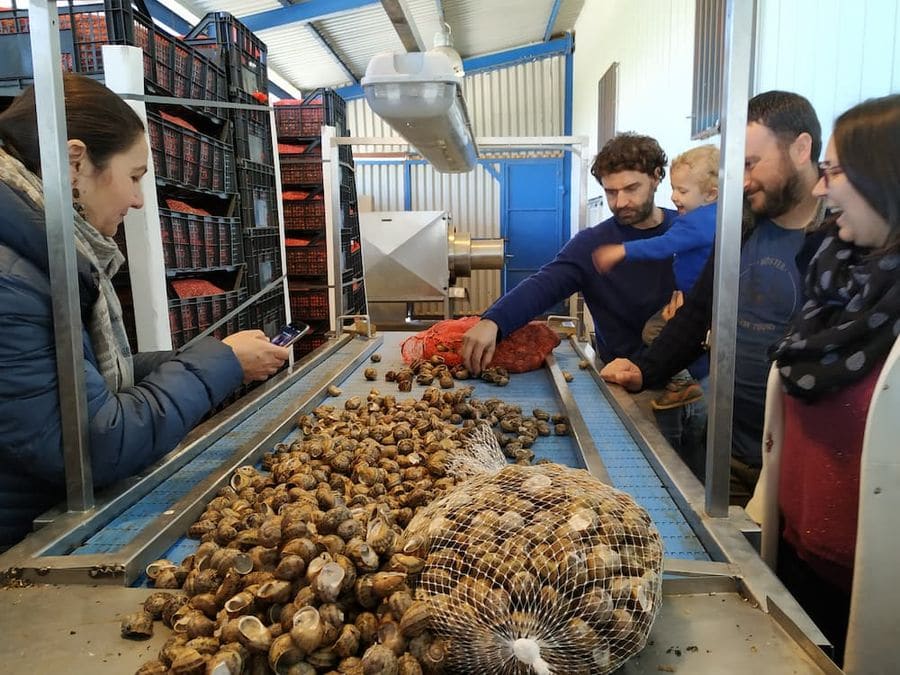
pixel 243 56
pixel 192 153
pixel 194 162
pixel 298 125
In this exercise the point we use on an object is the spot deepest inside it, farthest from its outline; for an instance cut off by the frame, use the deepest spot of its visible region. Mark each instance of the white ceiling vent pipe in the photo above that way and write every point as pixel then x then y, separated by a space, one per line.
pixel 420 96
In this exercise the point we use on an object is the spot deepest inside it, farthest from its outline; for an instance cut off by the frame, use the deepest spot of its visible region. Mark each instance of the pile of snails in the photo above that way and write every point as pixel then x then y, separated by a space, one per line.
pixel 299 568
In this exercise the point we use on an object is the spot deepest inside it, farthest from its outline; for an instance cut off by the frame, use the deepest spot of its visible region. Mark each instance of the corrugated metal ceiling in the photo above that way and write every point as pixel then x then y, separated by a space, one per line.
pixel 478 27
pixel 371 31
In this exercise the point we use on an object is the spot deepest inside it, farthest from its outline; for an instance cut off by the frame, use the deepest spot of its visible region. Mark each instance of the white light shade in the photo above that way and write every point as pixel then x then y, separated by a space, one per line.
pixel 420 96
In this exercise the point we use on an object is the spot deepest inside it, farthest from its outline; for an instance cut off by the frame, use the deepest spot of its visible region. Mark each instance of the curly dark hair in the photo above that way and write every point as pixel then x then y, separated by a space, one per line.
pixel 630 152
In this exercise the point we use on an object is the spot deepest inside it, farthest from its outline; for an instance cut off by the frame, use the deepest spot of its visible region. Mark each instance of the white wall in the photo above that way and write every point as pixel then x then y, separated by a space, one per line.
pixel 653 43
pixel 834 52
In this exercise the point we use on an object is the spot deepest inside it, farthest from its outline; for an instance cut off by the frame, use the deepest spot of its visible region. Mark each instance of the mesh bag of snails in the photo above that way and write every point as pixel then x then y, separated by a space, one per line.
pixel 535 569
pixel 519 352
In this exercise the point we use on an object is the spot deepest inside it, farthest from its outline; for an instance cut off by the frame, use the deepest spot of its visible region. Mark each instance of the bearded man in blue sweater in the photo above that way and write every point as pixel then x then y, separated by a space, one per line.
pixel 630 168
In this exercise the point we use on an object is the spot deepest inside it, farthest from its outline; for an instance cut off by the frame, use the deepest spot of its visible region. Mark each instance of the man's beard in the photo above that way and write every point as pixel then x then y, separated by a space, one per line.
pixel 782 199
pixel 633 216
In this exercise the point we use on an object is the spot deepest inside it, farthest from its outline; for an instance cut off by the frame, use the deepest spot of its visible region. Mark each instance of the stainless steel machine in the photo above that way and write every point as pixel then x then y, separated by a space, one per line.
pixel 417 256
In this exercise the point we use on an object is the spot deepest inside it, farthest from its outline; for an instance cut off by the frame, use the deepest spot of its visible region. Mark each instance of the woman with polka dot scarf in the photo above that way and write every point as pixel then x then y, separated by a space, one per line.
pixel 829 361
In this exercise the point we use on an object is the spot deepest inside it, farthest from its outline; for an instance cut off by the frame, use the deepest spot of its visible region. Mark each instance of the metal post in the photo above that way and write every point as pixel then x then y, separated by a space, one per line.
pixel 738 31
pixel 44 27
pixel 331 181
pixel 123 72
pixel 279 205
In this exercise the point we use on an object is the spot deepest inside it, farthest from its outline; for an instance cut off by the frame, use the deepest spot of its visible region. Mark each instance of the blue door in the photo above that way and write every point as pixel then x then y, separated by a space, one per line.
pixel 533 217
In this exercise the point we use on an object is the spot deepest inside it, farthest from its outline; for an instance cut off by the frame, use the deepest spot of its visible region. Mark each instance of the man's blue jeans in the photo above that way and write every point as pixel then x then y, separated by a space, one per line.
pixel 685 429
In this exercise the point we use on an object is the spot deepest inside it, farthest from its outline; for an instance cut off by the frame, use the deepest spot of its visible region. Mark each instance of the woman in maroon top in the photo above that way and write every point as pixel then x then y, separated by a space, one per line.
pixel 831 357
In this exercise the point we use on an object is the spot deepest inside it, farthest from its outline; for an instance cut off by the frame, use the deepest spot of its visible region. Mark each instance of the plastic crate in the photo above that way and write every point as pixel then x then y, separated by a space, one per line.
pixel 190 158
pixel 299 170
pixel 354 298
pixel 304 214
pixel 243 53
pixel 188 317
pixel 170 65
pixel 191 241
pixel 309 304
pixel 263 256
pixel 267 313
pixel 304 119
pixel 256 185
pixel 351 258
pixel 309 343
pixel 252 133
pixel 307 261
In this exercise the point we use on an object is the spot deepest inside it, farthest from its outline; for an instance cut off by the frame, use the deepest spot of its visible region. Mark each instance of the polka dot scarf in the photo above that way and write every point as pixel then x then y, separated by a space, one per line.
pixel 848 324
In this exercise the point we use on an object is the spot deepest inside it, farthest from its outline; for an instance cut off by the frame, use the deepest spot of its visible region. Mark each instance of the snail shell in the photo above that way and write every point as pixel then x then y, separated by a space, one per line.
pixel 253 634
pixel 284 654
pixel 188 661
pixel 137 626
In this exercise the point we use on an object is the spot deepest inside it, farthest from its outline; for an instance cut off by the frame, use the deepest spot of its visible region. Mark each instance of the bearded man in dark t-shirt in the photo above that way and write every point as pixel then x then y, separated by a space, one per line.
pixel 783 143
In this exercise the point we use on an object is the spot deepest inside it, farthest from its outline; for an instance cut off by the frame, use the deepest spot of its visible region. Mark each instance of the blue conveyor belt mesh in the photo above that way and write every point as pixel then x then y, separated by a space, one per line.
pixel 629 469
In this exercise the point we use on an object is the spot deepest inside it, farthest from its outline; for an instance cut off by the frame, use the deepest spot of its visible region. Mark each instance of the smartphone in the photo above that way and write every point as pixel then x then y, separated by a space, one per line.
pixel 289 334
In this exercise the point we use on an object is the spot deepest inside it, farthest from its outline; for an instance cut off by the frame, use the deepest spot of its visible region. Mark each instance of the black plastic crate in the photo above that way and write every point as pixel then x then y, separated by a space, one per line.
pixel 351 258
pixel 252 133
pixel 243 53
pixel 303 213
pixel 306 261
pixel 195 241
pixel 262 252
pixel 256 185
pixel 309 343
pixel 188 317
pixel 267 314
pixel 304 119
pixel 308 304
pixel 170 65
pixel 189 158
pixel 301 170
pixel 354 298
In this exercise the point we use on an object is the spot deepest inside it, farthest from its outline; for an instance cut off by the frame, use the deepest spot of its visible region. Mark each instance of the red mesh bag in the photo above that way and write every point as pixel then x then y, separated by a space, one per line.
pixel 518 352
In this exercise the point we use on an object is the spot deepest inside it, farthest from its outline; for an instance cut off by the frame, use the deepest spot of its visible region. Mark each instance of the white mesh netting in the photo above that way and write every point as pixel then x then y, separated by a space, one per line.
pixel 536 569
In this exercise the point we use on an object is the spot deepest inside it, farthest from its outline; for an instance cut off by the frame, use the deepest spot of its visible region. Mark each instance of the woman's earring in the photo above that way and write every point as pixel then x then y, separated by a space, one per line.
pixel 77 205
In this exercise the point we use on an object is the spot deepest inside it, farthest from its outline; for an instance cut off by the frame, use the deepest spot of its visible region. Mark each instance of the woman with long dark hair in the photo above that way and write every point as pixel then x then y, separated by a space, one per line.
pixel 139 406
pixel 828 365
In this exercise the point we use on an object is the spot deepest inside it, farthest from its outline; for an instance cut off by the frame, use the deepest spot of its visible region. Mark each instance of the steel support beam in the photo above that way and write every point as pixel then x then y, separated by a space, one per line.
pixel 60 229
pixel 554 12
pixel 316 33
pixel 738 32
pixel 404 25
pixel 312 10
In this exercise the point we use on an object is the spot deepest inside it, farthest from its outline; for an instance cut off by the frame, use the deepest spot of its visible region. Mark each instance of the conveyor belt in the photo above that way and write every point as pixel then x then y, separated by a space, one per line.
pixel 124 528
pixel 625 462
pixel 629 469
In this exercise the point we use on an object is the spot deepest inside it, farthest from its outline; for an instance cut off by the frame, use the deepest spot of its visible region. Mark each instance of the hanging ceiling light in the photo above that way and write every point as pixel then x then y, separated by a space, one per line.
pixel 419 95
